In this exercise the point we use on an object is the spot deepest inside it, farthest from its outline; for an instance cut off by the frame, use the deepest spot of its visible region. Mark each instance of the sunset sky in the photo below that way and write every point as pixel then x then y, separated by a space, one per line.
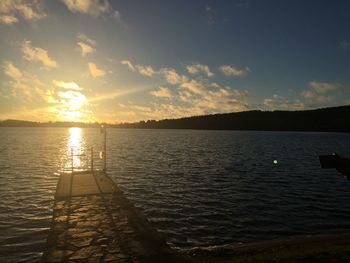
pixel 117 61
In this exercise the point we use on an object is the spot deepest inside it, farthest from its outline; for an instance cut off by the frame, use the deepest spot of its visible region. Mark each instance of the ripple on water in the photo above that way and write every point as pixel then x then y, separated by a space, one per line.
pixel 199 188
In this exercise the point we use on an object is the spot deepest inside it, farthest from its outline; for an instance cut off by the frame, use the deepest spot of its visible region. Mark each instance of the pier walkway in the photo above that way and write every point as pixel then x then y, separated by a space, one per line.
pixel 94 222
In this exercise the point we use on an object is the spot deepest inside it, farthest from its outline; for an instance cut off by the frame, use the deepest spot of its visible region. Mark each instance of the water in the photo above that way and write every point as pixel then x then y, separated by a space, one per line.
pixel 200 188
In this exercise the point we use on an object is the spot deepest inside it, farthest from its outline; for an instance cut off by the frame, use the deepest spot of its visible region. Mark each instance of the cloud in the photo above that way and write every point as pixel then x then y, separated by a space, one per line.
pixel 129 64
pixel 170 74
pixel 241 93
pixel 145 70
pixel 172 77
pixel 159 111
pixel 185 96
pixel 8 19
pixel 162 92
pixel 73 99
pixel 196 68
pixel 278 103
pixel 215 85
pixel 66 85
pixel 91 7
pixel 195 87
pixel 11 71
pixel 86 39
pixel 85 49
pixel 37 54
pixel 318 92
pixel 243 4
pixel 210 16
pixel 344 45
pixel 220 101
pixel 27 9
pixel 316 97
pixel 23 85
pixel 95 71
pixel 323 87
pixel 212 101
pixel 231 71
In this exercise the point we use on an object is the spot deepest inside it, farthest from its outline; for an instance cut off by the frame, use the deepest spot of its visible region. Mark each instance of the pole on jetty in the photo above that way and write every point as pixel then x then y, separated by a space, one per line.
pixel 104 131
pixel 92 159
pixel 72 155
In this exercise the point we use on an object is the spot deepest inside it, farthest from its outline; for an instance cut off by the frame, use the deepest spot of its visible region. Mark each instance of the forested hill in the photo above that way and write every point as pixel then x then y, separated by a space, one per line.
pixel 327 119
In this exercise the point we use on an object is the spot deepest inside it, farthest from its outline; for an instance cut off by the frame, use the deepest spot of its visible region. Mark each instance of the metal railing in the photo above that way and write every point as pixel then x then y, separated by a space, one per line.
pixel 89 164
pixel 102 156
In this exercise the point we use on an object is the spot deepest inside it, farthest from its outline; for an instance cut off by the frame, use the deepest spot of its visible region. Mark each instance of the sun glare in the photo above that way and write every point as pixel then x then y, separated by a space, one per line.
pixel 71 105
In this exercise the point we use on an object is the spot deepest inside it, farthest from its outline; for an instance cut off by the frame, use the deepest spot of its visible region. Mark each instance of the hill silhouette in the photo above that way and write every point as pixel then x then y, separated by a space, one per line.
pixel 326 119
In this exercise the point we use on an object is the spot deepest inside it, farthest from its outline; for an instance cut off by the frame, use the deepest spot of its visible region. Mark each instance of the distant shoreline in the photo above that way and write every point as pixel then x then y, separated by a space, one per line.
pixel 335 119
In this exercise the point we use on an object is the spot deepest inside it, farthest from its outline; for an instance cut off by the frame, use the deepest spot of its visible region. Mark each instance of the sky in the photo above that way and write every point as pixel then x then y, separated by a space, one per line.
pixel 126 61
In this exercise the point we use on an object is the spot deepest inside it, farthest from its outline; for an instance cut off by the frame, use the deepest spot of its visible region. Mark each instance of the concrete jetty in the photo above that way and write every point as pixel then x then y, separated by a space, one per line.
pixel 94 222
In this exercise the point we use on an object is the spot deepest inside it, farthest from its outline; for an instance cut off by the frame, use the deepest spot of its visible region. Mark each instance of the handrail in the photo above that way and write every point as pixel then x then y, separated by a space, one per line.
pixel 85 154
pixel 72 155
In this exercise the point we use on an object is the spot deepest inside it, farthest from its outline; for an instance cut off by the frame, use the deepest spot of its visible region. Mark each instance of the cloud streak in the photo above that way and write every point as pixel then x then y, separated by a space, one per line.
pixel 95 71
pixel 91 7
pixel 231 71
pixel 27 9
pixel 197 68
pixel 66 85
pixel 162 92
pixel 318 92
pixel 85 49
pixel 31 53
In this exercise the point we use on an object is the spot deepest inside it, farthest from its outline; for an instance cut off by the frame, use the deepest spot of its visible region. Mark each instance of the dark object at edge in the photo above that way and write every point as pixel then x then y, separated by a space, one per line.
pixel 336 161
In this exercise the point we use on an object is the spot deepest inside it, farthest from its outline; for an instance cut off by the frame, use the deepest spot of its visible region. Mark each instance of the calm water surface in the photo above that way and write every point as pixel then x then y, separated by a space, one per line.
pixel 200 188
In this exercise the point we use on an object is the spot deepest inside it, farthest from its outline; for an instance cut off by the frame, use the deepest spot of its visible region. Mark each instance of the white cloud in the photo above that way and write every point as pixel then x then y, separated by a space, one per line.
pixel 145 70
pixel 66 85
pixel 11 70
pixel 172 77
pixel 129 64
pixel 85 49
pixel 231 71
pixel 241 93
pixel 323 87
pixel 27 9
pixel 8 19
pixel 91 7
pixel 195 87
pixel 185 96
pixel 215 85
pixel 95 71
pixel 219 104
pixel 162 92
pixel 86 39
pixel 196 68
pixel 23 85
pixel 318 92
pixel 37 54
pixel 316 97
pixel 278 103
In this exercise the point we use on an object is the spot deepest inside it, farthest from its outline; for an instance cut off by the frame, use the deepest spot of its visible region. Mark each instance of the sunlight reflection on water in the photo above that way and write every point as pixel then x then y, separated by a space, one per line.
pixel 76 153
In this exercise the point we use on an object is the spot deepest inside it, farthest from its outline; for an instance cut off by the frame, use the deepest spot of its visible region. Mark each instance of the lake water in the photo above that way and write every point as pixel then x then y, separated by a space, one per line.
pixel 200 188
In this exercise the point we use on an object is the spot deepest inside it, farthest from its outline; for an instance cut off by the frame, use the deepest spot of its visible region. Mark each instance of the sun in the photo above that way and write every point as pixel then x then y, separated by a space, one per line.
pixel 70 102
